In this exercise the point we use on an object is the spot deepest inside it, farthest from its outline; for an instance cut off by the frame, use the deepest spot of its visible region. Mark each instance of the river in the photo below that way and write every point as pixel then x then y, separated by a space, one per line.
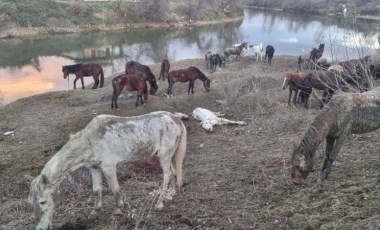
pixel 30 66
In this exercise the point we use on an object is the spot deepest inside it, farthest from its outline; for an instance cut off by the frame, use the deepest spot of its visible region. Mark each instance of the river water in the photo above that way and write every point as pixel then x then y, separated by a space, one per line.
pixel 32 66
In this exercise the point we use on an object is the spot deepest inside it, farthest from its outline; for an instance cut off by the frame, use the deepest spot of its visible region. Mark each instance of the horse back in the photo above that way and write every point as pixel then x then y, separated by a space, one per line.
pixel 322 80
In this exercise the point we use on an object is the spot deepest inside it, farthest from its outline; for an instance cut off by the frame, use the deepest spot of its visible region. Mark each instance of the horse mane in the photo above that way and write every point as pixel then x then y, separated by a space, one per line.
pixel 73 68
pixel 200 74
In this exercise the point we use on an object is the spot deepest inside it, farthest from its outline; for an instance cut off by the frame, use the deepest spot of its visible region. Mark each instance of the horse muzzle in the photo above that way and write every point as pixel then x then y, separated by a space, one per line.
pixel 298 180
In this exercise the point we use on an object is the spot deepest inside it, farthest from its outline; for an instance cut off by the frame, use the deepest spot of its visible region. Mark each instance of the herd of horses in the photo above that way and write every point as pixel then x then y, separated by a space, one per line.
pixel 163 134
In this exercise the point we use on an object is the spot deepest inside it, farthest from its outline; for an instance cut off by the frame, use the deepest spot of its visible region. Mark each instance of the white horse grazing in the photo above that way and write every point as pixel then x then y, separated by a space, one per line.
pixel 259 51
pixel 104 142
pixel 209 119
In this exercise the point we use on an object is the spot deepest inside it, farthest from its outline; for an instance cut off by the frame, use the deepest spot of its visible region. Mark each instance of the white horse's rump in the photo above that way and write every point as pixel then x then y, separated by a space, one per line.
pixel 209 119
pixel 104 142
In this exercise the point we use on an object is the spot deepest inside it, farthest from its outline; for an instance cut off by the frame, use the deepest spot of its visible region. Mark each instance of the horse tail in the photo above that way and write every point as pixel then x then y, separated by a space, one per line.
pixel 179 155
pixel 101 78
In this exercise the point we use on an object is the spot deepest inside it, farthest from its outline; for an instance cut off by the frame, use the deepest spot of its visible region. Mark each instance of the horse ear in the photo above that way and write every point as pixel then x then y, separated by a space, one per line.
pixel 44 179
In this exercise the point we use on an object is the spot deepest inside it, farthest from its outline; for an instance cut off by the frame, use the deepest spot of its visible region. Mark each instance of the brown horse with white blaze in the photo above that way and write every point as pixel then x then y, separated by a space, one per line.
pixel 132 82
pixel 347 113
pixel 187 75
pixel 85 70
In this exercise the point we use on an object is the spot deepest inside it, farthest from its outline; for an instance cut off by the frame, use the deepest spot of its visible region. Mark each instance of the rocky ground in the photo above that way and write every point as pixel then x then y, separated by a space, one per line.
pixel 237 177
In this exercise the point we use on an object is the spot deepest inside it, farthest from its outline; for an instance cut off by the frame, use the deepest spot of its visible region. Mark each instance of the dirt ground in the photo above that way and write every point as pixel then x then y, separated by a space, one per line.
pixel 237 177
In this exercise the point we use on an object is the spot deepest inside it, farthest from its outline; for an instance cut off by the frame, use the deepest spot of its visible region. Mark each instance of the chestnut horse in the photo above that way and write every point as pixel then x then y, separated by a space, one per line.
pixel 133 82
pixel 349 113
pixel 165 66
pixel 295 82
pixel 187 75
pixel 132 67
pixel 85 70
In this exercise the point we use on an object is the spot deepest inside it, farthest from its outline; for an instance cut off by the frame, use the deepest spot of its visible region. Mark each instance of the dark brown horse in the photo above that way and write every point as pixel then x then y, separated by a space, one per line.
pixel 132 67
pixel 349 113
pixel 269 52
pixel 85 70
pixel 327 81
pixel 187 75
pixel 165 67
pixel 235 50
pixel 132 82
pixel 311 58
pixel 295 82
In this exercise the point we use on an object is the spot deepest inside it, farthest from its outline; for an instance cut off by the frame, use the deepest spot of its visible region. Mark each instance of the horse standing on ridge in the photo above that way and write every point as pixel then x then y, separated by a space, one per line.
pixel 85 70
pixel 269 52
pixel 347 113
pixel 235 50
pixel 311 58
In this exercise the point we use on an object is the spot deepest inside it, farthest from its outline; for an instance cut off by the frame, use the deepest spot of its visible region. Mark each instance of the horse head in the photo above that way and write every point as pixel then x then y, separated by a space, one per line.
pixel 65 71
pixel 41 198
pixel 301 165
pixel 206 84
pixel 287 80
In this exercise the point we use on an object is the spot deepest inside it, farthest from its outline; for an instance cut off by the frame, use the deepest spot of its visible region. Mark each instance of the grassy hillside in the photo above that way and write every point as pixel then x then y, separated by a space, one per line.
pixel 47 13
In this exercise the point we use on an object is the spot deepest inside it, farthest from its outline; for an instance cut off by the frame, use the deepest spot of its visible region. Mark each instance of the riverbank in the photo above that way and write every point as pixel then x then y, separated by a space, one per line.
pixel 40 17
pixel 246 165
pixel 22 32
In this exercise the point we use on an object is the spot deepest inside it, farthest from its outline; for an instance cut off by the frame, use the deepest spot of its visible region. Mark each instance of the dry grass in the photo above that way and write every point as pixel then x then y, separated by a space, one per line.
pixel 234 178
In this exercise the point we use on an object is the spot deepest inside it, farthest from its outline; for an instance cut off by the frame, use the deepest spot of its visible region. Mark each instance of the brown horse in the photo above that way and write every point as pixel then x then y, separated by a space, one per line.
pixel 187 75
pixel 235 50
pixel 132 67
pixel 295 82
pixel 311 57
pixel 327 81
pixel 165 66
pixel 84 70
pixel 132 82
pixel 346 114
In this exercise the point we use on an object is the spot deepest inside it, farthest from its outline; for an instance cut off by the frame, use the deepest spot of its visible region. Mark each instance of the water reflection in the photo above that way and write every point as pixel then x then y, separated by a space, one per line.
pixel 31 66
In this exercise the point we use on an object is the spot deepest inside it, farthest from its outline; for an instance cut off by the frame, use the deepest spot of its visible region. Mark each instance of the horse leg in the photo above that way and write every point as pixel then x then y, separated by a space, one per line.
pixel 191 87
pixel 290 95
pixel 333 145
pixel 96 80
pixel 165 162
pixel 81 79
pixel 75 82
pixel 96 175
pixel 115 96
pixel 111 177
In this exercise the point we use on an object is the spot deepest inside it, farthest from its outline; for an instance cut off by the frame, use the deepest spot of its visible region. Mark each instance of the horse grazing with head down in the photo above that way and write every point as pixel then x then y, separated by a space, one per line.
pixel 235 50
pixel 165 67
pixel 85 70
pixel 346 113
pixel 311 58
pixel 132 67
pixel 187 75
pixel 132 82
pixel 269 52
pixel 100 146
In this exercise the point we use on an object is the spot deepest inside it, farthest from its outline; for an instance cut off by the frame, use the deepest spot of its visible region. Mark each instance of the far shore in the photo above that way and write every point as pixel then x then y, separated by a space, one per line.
pixel 23 32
